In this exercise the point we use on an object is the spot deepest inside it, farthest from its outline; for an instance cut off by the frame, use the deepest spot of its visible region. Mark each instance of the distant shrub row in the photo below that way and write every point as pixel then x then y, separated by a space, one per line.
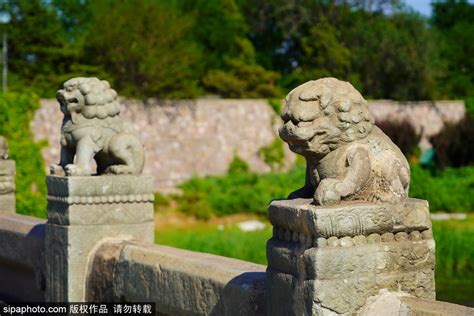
pixel 453 145
pixel 245 192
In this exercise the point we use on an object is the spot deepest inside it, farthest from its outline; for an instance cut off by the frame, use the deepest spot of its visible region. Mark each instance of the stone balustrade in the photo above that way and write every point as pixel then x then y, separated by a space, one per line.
pixel 350 242
pixel 179 282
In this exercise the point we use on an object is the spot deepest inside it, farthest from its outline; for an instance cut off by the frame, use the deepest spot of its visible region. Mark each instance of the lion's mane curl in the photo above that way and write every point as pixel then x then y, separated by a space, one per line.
pixel 100 100
pixel 343 104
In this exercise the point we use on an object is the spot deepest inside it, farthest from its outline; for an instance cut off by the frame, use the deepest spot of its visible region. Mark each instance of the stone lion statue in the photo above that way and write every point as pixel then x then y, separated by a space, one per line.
pixel 92 128
pixel 347 157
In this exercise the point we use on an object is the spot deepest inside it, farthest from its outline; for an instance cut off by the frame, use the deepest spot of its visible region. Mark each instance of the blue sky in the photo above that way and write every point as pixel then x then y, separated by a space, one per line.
pixel 423 6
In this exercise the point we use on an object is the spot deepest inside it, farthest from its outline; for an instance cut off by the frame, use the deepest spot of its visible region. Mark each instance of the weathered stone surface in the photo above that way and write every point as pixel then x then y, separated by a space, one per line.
pixel 329 260
pixel 83 211
pixel 353 219
pixel 22 269
pixel 119 199
pixel 68 252
pixel 180 282
pixel 402 304
pixel 348 158
pixel 92 128
pixel 7 185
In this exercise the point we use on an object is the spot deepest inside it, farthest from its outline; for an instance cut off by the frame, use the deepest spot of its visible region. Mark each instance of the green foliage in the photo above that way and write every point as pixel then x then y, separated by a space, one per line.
pixel 246 192
pixel 40 56
pixel 219 25
pixel 273 154
pixel 238 165
pixel 469 104
pixel 238 192
pixel 391 55
pixel 229 242
pixel 16 112
pixel 454 264
pixel 152 55
pixel 324 54
pixel 242 77
pixel 160 200
pixel 453 144
pixel 242 48
pixel 276 104
pixel 448 191
pixel 452 21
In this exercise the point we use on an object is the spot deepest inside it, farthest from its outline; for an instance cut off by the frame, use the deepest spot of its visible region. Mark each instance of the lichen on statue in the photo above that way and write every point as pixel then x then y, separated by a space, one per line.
pixel 92 128
pixel 348 158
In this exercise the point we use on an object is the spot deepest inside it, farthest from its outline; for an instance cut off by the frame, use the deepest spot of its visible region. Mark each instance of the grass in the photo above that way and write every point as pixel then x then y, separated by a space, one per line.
pixel 455 260
pixel 454 250
pixel 228 241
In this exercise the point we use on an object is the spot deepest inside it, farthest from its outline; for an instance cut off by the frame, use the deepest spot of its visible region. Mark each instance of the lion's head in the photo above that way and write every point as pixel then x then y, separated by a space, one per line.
pixel 89 98
pixel 322 115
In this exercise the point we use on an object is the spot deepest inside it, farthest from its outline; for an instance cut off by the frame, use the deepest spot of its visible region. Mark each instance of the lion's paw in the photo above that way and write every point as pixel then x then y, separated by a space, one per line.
pixel 56 170
pixel 119 169
pixel 75 170
pixel 327 192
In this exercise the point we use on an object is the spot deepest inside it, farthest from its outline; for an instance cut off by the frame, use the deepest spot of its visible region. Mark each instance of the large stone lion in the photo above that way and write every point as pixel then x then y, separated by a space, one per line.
pixel 347 156
pixel 92 128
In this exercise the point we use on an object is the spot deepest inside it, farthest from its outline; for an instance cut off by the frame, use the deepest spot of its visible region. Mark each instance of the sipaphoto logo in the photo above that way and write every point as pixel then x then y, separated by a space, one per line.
pixel 28 309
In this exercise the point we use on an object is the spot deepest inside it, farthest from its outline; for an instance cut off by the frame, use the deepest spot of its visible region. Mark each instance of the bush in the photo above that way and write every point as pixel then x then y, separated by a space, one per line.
pixel 237 165
pixel 454 144
pixel 402 133
pixel 16 112
pixel 273 154
pixel 449 190
pixel 237 193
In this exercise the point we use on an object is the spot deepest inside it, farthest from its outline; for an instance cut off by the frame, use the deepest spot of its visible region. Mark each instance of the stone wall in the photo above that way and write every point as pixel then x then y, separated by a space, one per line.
pixel 201 137
pixel 428 118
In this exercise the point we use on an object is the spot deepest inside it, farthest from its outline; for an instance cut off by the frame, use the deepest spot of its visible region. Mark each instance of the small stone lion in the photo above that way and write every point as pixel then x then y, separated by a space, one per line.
pixel 347 157
pixel 92 128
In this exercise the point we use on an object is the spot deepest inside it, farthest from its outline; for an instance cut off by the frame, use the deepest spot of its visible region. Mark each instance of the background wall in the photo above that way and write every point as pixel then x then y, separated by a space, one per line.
pixel 201 137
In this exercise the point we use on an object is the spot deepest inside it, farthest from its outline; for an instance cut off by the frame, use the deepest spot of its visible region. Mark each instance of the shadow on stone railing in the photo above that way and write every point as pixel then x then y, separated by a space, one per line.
pixel 22 266
pixel 180 282
pixel 339 244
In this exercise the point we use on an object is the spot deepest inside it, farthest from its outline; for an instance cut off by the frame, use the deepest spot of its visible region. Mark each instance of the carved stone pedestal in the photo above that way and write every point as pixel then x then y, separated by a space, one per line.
pixel 7 186
pixel 83 211
pixel 329 260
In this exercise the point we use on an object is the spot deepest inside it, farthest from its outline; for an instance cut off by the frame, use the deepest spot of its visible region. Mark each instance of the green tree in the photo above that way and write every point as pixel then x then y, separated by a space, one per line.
pixel 40 57
pixel 323 54
pixel 392 55
pixel 144 48
pixel 242 76
pixel 229 66
pixel 452 19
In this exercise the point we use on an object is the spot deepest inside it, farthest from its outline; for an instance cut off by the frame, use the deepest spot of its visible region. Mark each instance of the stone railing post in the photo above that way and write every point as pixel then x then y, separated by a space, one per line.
pixel 351 231
pixel 83 210
pixel 7 179
pixel 331 259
